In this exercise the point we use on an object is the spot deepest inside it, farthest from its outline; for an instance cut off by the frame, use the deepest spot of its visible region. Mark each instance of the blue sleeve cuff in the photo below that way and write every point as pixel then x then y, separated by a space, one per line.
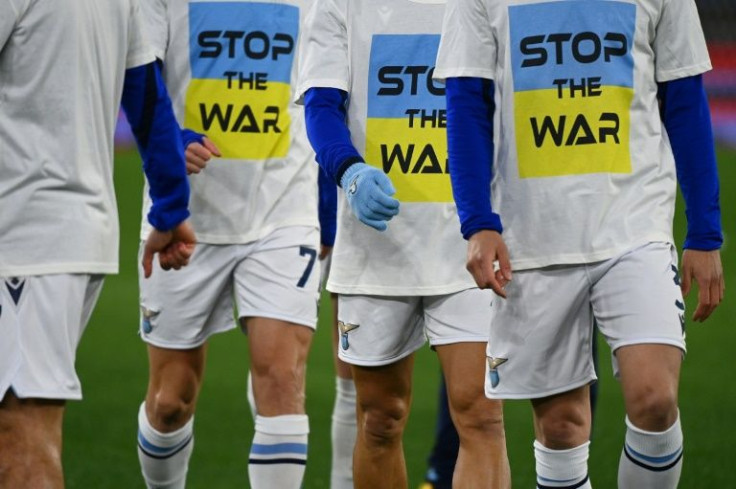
pixel 188 137
pixel 325 113
pixel 148 109
pixel 470 107
pixel 686 117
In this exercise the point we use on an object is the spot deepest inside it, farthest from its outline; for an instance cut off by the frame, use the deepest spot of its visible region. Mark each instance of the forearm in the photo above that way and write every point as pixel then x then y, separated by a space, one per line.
pixel 327 209
pixel 470 110
pixel 148 109
pixel 324 112
pixel 687 120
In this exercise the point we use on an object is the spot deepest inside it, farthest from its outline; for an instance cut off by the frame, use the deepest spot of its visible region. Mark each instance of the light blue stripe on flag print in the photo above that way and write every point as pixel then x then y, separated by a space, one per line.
pixel 572 39
pixel 239 37
pixel 278 448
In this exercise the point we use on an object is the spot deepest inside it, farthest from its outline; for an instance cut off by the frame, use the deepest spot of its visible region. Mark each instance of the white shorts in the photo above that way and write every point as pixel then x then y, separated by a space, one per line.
pixel 380 330
pixel 42 319
pixel 275 277
pixel 541 337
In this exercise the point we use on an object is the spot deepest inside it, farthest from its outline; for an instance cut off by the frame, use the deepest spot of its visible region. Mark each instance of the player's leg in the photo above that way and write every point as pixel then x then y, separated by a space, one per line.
pixel 277 289
pixel 42 319
pixel 441 461
pixel 344 417
pixel 640 310
pixel 540 349
pixel 384 401
pixel 166 418
pixel 178 314
pixel 30 443
pixel 278 352
pixel 458 326
pixel 378 336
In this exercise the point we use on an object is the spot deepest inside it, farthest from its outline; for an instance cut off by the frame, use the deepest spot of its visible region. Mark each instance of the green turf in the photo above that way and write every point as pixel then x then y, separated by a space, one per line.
pixel 100 432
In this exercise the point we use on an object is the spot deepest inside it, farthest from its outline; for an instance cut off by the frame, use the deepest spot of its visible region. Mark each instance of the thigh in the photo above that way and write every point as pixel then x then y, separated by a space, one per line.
pixel 461 317
pixel 181 309
pixel 379 330
pixel 540 341
pixel 50 313
pixel 278 277
pixel 637 299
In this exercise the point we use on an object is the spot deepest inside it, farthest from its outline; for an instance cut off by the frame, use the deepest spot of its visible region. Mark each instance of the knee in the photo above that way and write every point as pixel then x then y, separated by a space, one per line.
pixel 563 430
pixel 475 415
pixel 383 423
pixel 653 408
pixel 170 409
pixel 279 386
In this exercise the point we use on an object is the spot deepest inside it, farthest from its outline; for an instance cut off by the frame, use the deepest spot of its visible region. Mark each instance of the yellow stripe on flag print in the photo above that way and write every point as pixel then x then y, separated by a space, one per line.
pixel 414 157
pixel 572 135
pixel 254 126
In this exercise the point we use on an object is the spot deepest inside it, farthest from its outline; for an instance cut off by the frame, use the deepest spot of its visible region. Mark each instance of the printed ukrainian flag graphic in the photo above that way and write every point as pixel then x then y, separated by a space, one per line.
pixel 405 130
pixel 573 86
pixel 241 55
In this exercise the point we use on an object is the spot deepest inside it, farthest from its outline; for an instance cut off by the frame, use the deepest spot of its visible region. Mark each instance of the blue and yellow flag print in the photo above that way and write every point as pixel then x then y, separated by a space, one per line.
pixel 573 85
pixel 406 126
pixel 241 56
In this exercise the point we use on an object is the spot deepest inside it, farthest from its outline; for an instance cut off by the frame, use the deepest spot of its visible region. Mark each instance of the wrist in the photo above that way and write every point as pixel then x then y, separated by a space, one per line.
pixel 347 169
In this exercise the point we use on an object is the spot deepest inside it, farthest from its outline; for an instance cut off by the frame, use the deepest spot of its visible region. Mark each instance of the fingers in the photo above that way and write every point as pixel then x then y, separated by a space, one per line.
pixel 147 262
pixel 384 183
pixel 485 277
pixel 211 147
pixel 197 157
pixel 377 224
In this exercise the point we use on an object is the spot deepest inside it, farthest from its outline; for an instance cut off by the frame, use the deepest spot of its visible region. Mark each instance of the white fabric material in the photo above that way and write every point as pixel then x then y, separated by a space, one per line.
pixel 562 468
pixel 62 67
pixel 377 330
pixel 634 298
pixel 267 177
pixel 343 434
pixel 42 319
pixel 278 454
pixel 275 277
pixel 168 469
pixel 382 53
pixel 605 182
pixel 651 460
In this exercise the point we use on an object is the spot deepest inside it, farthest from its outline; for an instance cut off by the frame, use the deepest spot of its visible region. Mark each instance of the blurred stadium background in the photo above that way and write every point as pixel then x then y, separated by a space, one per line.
pixel 100 442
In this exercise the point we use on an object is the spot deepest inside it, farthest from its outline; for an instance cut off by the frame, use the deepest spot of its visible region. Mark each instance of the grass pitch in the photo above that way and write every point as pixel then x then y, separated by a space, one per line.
pixel 100 432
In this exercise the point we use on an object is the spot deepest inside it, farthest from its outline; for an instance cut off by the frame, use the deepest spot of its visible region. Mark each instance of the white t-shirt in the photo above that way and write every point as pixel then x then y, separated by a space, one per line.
pixel 229 68
pixel 583 168
pixel 382 53
pixel 62 67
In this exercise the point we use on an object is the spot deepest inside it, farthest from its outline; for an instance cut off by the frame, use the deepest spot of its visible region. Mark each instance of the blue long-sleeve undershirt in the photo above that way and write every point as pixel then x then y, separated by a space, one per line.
pixel 687 119
pixel 327 209
pixel 148 109
pixel 327 130
pixel 470 110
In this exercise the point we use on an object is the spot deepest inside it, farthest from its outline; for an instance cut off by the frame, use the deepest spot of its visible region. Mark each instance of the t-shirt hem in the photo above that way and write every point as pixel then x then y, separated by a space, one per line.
pixel 59 268
pixel 676 74
pixel 445 73
pixel 582 258
pixel 140 59
pixel 318 83
pixel 400 290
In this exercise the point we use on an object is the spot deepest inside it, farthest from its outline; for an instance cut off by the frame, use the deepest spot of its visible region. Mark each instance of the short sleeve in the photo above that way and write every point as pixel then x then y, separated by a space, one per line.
pixel 156 25
pixel 324 48
pixel 679 44
pixel 468 47
pixel 139 50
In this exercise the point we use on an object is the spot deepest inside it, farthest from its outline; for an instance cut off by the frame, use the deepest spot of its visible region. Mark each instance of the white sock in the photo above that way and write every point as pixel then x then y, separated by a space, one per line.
pixel 164 457
pixel 562 468
pixel 344 431
pixel 651 460
pixel 251 397
pixel 278 455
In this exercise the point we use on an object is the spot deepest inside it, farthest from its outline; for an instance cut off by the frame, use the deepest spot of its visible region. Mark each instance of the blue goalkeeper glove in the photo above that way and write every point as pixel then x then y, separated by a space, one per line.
pixel 369 192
